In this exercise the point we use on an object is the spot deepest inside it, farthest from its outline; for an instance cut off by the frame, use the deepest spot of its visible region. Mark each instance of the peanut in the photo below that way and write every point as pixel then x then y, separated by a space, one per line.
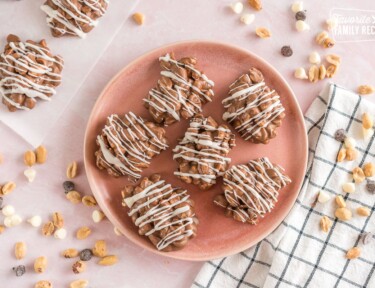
pixel 366 89
pixel 89 201
pixel 58 220
pixel 79 284
pixel 41 154
pixel 363 211
pixel 72 170
pixel 340 201
pixel 367 121
pixel 70 253
pixel 29 158
pixel 40 264
pixel 325 223
pixel 83 233
pixel 100 248
pixel 20 250
pixel 256 4
pixel 8 188
pixel 343 214
pixel 263 32
pixel 108 260
pixel 353 253
pixel 74 197
pixel 139 18
pixel 369 169
pixel 358 175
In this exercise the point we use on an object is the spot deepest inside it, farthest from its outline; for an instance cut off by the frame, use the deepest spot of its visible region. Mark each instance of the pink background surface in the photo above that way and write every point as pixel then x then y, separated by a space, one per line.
pixel 167 21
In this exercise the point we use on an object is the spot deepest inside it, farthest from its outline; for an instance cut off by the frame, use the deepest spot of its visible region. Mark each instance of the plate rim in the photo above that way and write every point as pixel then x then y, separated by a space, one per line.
pixel 106 211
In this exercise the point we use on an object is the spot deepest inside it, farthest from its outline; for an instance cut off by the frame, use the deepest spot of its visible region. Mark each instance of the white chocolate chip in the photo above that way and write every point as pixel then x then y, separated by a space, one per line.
pixel 60 233
pixel 300 73
pixel 367 133
pixel 97 216
pixel 237 7
pixel 15 220
pixel 323 197
pixel 30 174
pixel 8 210
pixel 314 58
pixel 302 26
pixel 297 6
pixel 348 187
pixel 8 221
pixel 35 221
pixel 332 23
pixel 117 231
pixel 350 142
pixel 247 18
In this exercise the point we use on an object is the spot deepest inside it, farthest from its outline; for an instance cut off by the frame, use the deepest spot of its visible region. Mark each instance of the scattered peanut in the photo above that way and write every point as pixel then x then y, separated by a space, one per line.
pixel 72 170
pixel 100 248
pixel 79 267
pixel 263 32
pixel 366 89
pixel 358 175
pixel 2 229
pixel 40 264
pixel 8 188
pixel 343 214
pixel 256 4
pixel 351 154
pixel 74 197
pixel 58 220
pixel 89 200
pixel 325 224
pixel 353 253
pixel 367 121
pixel 41 154
pixel 70 253
pixel 340 201
pixel 313 73
pixel 331 71
pixel 322 72
pixel 83 233
pixel 363 211
pixel 341 155
pixel 48 229
pixel 139 18
pixel 369 169
pixel 333 59
pixel 43 284
pixel 20 250
pixel 108 260
pixel 29 158
pixel 79 284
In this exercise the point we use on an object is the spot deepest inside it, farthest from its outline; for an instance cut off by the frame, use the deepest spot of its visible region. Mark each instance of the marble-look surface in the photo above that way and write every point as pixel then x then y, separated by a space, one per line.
pixel 167 21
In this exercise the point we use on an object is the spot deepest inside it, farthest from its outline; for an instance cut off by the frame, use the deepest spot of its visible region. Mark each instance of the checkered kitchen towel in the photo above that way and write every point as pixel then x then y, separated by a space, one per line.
pixel 298 253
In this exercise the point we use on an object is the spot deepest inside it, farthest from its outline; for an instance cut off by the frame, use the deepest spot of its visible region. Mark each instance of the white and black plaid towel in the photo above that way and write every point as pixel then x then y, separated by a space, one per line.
pixel 298 253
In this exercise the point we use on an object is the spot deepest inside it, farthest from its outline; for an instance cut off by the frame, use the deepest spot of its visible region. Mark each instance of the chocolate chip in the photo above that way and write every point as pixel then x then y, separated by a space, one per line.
pixel 68 186
pixel 370 186
pixel 301 15
pixel 286 51
pixel 19 270
pixel 366 237
pixel 340 135
pixel 85 255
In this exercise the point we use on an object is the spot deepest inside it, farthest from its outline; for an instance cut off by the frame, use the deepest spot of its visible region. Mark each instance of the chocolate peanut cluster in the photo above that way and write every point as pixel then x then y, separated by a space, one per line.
pixel 127 145
pixel 28 72
pixel 202 153
pixel 254 109
pixel 73 17
pixel 181 91
pixel 251 190
pixel 161 212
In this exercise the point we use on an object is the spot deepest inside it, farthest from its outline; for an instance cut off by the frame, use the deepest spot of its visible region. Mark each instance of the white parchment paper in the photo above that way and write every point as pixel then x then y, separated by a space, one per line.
pixel 25 19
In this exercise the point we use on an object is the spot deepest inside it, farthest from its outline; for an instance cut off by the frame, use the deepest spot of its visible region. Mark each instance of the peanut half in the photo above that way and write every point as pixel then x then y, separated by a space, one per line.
pixel 41 154
pixel 40 264
pixel 72 170
pixel 353 253
pixel 20 250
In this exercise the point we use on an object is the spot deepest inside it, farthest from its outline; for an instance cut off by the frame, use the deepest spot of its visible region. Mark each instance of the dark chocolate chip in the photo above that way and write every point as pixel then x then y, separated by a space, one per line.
pixel 286 51
pixel 85 255
pixel 301 15
pixel 19 270
pixel 340 135
pixel 370 186
pixel 68 186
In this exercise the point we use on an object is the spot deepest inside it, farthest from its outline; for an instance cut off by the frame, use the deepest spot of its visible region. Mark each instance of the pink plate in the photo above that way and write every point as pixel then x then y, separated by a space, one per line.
pixel 218 236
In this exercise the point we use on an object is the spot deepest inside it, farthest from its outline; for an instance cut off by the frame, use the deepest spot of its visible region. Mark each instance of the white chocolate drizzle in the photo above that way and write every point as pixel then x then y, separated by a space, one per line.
pixel 260 120
pixel 130 144
pixel 80 18
pixel 208 156
pixel 167 102
pixel 20 83
pixel 162 216
pixel 259 192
